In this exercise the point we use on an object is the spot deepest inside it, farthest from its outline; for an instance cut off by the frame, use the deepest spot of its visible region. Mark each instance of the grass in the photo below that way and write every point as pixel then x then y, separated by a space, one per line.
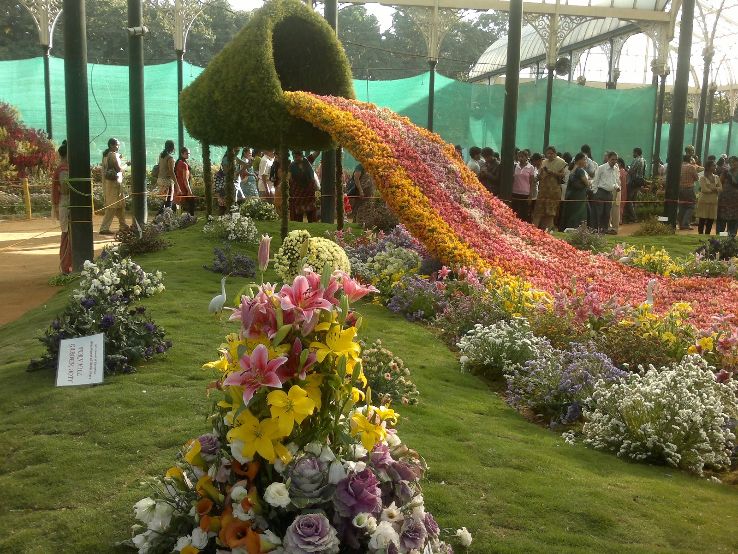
pixel 676 245
pixel 75 458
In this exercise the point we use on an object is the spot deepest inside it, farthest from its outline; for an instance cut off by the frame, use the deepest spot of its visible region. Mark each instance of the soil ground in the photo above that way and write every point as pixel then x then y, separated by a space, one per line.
pixel 29 256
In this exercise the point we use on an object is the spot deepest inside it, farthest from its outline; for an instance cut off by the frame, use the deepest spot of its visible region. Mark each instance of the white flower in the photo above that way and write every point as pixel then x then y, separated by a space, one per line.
pixel 240 513
pixel 336 472
pixel 143 541
pixel 277 494
pixel 162 516
pixel 464 536
pixel 392 514
pixel 383 536
pixel 238 493
pixel 393 441
pixel 237 452
pixel 269 541
pixel 143 509
pixel 358 451
pixel 198 539
pixel 314 448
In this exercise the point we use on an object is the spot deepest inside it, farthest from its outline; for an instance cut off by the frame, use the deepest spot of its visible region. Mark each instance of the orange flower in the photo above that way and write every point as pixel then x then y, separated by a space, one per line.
pixel 204 506
pixel 210 524
pixel 239 534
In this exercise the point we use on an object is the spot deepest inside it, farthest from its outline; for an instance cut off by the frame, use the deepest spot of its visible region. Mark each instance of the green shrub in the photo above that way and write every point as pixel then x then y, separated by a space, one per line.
pixel 585 238
pixel 654 228
pixel 387 376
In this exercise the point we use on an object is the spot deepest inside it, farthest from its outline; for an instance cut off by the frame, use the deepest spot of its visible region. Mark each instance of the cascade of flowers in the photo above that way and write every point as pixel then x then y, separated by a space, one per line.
pixel 299 459
pixel 22 149
pixel 445 206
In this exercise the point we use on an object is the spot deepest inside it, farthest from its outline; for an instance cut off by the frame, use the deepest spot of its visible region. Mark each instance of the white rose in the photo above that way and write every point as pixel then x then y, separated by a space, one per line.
pixel 393 440
pixel 238 493
pixel 383 536
pixel 277 494
pixel 237 452
pixel 464 536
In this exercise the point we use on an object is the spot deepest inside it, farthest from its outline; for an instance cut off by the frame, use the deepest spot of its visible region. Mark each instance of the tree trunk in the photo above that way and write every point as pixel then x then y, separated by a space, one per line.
pixel 207 177
pixel 229 179
pixel 285 187
pixel 339 188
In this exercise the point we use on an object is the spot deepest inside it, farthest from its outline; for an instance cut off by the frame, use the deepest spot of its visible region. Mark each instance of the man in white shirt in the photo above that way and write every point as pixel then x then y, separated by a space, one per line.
pixel 265 166
pixel 606 182
pixel 475 155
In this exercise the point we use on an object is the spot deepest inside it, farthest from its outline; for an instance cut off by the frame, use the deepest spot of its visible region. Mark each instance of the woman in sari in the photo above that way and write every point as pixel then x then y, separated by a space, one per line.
pixel 574 210
pixel 549 190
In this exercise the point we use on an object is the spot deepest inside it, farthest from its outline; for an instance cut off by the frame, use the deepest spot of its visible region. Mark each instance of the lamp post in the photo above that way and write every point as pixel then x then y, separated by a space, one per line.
pixel 185 13
pixel 136 32
pixel 45 14
pixel 510 114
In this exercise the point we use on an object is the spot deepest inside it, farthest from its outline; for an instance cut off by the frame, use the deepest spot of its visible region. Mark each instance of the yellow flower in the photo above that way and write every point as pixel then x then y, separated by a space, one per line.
pixel 706 343
pixel 340 343
pixel 313 390
pixel 289 408
pixel 370 433
pixel 357 395
pixel 257 436
pixel 193 456
pixel 236 400
pixel 205 487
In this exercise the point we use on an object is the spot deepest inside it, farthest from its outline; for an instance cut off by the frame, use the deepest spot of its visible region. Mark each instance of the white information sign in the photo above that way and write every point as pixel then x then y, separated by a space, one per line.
pixel 81 361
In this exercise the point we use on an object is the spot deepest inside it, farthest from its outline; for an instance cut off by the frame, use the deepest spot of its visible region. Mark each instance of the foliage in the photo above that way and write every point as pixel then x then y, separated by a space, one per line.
pixel 233 227
pixel 388 267
pixel 148 239
pixel 227 262
pixel 653 228
pixel 297 457
pixel 375 214
pixel 275 38
pixel 22 150
pixel 659 261
pixel 558 384
pixel 417 298
pixel 299 250
pixel 677 415
pixel 466 309
pixel 724 248
pixel 101 303
pixel 259 210
pixel 585 238
pixel 387 375
pixel 499 348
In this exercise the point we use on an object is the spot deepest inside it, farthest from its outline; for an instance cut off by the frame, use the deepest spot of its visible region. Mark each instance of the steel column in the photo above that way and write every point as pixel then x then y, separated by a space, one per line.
pixel 679 109
pixel 730 132
pixel 710 106
pixel 329 185
pixel 136 102
pixel 47 89
pixel 707 56
pixel 549 99
pixel 431 91
pixel 180 86
pixel 659 121
pixel 510 114
pixel 78 132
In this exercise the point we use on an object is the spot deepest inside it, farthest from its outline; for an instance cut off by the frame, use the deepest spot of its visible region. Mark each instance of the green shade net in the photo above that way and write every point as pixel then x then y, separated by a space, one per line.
pixel 465 113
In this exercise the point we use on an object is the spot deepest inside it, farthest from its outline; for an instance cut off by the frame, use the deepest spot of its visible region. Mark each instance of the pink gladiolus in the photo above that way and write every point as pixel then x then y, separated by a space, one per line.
pixel 353 289
pixel 264 252
pixel 258 371
pixel 302 299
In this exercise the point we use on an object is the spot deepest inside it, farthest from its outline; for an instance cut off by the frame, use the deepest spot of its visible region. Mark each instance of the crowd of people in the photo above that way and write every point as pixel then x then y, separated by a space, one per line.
pixel 560 191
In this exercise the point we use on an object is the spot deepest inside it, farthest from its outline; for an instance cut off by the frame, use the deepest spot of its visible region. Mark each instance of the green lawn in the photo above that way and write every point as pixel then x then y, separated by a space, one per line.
pixel 75 458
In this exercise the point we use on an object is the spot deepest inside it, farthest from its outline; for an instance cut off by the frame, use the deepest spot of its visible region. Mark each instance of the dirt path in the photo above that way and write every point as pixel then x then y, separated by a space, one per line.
pixel 29 256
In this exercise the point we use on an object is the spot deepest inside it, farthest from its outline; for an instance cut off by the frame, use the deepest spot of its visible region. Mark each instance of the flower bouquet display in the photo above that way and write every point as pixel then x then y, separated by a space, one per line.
pixel 299 459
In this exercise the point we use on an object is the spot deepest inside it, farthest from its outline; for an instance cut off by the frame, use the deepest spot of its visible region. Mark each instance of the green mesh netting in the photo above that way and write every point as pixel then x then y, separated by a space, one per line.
pixel 466 114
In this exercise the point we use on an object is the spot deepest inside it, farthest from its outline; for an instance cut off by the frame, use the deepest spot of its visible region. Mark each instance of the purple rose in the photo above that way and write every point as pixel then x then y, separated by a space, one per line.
pixel 403 471
pixel 209 446
pixel 357 493
pixel 431 526
pixel 380 456
pixel 311 533
pixel 403 492
pixel 412 534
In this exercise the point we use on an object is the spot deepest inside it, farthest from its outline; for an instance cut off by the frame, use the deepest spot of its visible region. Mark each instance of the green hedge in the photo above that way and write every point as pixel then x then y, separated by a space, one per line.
pixel 238 99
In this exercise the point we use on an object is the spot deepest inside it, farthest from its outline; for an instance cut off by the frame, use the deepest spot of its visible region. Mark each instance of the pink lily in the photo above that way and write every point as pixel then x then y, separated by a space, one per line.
pixel 290 368
pixel 329 293
pixel 443 273
pixel 258 371
pixel 302 299
pixel 264 252
pixel 353 289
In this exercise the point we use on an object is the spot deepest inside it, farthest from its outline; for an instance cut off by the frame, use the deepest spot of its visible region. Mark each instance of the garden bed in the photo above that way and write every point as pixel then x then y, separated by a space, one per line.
pixel 76 459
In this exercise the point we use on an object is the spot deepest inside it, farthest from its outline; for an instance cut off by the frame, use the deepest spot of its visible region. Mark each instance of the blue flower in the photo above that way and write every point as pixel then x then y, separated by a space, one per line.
pixel 107 321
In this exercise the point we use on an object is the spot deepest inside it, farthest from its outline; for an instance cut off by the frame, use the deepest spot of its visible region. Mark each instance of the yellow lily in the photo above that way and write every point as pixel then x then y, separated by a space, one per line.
pixel 193 456
pixel 290 407
pixel 370 433
pixel 313 390
pixel 338 343
pixel 257 436
pixel 205 487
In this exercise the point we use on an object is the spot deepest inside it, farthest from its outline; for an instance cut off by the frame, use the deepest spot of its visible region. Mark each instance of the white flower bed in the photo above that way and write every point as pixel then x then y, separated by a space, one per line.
pixel 234 227
pixel 678 415
pixel 501 347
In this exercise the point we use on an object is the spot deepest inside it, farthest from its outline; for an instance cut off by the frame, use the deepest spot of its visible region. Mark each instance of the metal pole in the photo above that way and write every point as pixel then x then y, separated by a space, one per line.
pixel 549 99
pixel 431 91
pixel 136 102
pixel 659 120
pixel 207 176
pixel 329 185
pixel 78 131
pixel 710 106
pixel 707 56
pixel 679 108
pixel 512 81
pixel 180 85
pixel 730 133
pixel 47 88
